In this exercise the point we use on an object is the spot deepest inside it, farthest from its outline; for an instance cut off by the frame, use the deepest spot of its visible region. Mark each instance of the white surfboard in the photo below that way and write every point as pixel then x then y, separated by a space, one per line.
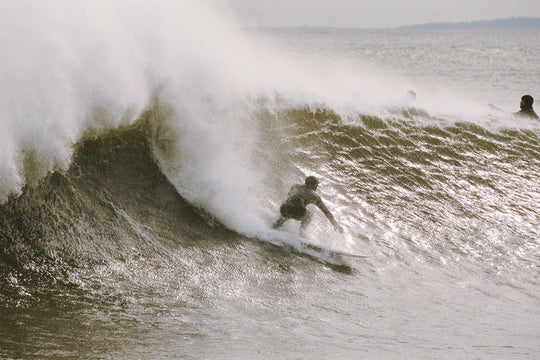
pixel 332 252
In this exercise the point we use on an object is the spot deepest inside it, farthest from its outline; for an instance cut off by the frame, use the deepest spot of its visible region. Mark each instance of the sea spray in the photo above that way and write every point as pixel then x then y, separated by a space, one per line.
pixel 75 68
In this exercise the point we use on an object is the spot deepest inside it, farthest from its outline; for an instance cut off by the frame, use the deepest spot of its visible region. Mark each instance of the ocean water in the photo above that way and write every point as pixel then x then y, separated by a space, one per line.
pixel 145 150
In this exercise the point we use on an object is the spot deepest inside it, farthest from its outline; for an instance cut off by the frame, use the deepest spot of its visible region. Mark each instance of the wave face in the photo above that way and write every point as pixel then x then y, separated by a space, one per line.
pixel 112 204
pixel 142 166
pixel 443 200
pixel 442 185
pixel 450 191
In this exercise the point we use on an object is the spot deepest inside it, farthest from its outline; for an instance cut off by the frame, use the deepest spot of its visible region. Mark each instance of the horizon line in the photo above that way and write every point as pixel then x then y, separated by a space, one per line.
pixel 398 27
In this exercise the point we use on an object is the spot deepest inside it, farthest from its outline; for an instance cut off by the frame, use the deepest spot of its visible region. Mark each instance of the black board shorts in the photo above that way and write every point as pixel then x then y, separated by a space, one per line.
pixel 293 210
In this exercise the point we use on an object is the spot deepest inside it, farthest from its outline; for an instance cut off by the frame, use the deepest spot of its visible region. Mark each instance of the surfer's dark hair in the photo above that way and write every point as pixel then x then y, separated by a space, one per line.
pixel 527 100
pixel 312 181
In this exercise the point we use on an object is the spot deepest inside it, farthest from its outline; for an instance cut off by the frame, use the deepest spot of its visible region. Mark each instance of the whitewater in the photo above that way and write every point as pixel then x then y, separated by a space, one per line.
pixel 146 148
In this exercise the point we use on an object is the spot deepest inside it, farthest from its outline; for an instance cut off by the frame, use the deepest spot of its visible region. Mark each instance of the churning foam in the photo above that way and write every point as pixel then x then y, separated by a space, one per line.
pixel 73 66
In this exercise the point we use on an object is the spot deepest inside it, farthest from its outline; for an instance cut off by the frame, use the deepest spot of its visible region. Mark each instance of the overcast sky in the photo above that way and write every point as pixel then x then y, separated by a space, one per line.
pixel 376 13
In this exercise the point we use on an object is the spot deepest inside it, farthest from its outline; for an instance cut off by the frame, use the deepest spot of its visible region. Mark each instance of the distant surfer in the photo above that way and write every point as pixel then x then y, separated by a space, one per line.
pixel 410 96
pixel 298 198
pixel 526 107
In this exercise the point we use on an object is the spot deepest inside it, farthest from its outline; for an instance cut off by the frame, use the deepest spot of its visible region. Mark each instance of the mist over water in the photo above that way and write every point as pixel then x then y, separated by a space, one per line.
pixel 73 67
pixel 146 148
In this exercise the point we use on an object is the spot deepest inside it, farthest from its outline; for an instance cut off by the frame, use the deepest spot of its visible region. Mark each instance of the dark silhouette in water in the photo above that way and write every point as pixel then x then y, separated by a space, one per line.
pixel 411 96
pixel 526 106
pixel 299 197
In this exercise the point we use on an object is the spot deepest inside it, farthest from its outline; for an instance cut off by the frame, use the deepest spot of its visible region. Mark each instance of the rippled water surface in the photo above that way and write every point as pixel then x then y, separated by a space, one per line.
pixel 154 240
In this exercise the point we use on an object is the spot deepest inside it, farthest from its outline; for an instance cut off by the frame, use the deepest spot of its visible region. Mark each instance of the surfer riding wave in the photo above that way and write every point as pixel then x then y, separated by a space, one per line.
pixel 299 196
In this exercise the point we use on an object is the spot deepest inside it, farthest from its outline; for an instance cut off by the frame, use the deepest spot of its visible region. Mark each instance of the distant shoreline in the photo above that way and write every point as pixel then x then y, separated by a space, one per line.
pixel 506 24
pixel 499 24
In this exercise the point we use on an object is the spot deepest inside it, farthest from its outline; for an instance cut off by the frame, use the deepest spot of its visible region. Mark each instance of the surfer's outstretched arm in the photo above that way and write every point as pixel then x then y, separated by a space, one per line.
pixel 329 215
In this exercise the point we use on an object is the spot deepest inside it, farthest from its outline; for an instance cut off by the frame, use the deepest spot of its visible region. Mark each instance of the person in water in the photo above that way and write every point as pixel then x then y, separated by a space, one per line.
pixel 411 96
pixel 298 198
pixel 526 107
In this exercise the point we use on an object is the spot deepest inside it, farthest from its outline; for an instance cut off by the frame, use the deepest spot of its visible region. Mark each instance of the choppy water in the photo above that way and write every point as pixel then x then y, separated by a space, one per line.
pixel 139 185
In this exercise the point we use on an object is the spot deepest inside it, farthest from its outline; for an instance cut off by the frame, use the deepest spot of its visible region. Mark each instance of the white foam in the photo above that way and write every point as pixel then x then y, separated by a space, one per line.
pixel 71 66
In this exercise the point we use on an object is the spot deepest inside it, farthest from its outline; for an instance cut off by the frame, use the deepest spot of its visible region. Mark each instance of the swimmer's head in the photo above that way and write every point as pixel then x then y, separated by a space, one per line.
pixel 526 102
